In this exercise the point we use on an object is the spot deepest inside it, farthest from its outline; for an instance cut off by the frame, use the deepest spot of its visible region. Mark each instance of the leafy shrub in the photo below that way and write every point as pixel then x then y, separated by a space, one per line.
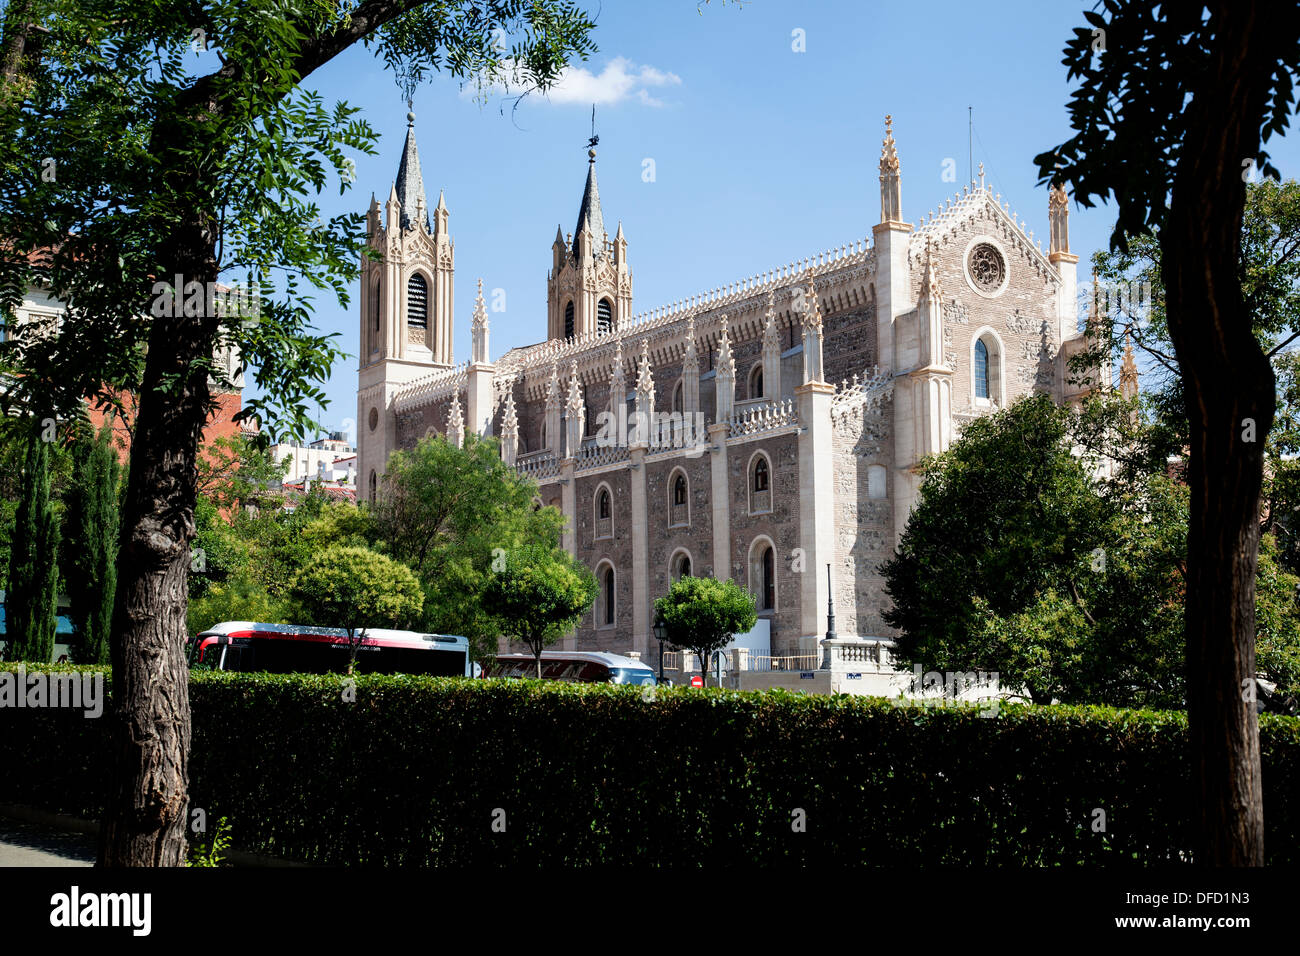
pixel 414 771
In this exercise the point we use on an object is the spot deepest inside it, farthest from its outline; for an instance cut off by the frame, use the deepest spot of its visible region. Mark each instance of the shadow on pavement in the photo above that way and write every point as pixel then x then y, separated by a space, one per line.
pixel 27 844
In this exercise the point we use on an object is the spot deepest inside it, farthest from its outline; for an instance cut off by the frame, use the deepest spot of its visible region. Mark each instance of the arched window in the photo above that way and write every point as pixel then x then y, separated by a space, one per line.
pixel 604 316
pixel 987 386
pixel 681 566
pixel 605 611
pixel 981 370
pixel 756 381
pixel 760 484
pixel 417 302
pixel 762 573
pixel 604 513
pixel 678 500
pixel 568 320
pixel 374 308
pixel 768 595
pixel 679 397
pixel 542 436
pixel 374 485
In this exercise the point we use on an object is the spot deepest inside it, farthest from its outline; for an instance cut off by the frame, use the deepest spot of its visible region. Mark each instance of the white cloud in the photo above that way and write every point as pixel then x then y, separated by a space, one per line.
pixel 620 80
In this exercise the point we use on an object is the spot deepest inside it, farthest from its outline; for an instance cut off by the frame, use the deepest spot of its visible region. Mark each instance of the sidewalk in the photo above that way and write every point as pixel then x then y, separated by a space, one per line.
pixel 30 844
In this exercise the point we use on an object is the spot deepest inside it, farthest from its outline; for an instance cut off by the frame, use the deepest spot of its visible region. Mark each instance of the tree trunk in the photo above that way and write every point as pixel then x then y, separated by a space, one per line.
pixel 1230 399
pixel 144 823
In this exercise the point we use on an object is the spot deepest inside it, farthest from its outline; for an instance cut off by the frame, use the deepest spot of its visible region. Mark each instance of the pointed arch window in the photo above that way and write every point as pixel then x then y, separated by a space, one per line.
pixel 679 500
pixel 760 484
pixel 679 397
pixel 604 316
pixel 568 320
pixel 374 308
pixel 756 382
pixel 417 302
pixel 374 485
pixel 604 513
pixel 981 370
pixel 605 611
pixel 769 578
pixel 762 573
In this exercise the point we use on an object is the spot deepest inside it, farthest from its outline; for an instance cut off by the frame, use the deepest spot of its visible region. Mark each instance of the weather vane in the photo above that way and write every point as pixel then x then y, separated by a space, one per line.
pixel 595 140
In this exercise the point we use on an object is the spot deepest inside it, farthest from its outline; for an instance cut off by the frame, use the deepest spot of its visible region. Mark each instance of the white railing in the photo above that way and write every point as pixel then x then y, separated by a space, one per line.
pixel 765 417
pixel 593 455
pixel 795 662
pixel 731 295
pixel 432 387
pixel 867 391
pixel 540 464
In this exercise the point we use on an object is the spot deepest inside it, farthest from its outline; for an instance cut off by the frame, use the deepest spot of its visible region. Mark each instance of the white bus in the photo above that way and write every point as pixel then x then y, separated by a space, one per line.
pixel 591 667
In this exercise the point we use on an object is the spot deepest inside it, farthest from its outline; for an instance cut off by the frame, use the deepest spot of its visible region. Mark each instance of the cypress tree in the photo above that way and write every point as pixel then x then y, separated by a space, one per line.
pixel 91 551
pixel 31 603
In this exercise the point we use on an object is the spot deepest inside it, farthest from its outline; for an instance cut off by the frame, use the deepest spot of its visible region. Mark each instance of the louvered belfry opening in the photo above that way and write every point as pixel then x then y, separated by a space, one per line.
pixel 417 302
pixel 604 316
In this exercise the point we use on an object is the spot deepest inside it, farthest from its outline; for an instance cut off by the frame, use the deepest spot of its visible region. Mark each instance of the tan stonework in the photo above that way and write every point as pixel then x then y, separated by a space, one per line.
pixel 892 322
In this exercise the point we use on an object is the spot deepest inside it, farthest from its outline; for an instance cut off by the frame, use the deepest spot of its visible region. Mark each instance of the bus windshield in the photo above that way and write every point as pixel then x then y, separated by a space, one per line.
pixel 631 675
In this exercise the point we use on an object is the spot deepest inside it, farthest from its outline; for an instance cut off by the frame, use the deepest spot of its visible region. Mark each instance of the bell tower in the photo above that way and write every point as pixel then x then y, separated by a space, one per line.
pixel 406 307
pixel 589 288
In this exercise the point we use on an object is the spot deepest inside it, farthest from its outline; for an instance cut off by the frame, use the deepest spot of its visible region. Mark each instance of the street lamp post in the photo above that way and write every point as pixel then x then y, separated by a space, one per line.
pixel 830 619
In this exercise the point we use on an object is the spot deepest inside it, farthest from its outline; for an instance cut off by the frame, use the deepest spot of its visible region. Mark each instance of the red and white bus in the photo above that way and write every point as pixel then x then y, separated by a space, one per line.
pixel 296 649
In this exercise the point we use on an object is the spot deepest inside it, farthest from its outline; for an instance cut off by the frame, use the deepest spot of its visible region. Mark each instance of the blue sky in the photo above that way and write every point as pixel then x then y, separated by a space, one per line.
pixel 761 154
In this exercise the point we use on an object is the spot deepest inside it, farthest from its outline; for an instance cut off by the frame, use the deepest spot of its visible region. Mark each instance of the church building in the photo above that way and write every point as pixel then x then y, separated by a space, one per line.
pixel 767 431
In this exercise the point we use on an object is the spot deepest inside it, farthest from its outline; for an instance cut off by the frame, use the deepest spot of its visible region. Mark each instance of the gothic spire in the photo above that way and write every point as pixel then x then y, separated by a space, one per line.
pixel 589 214
pixel 929 279
pixel 455 422
pixel 510 429
pixel 1128 372
pixel 410 182
pixel 891 201
pixel 479 327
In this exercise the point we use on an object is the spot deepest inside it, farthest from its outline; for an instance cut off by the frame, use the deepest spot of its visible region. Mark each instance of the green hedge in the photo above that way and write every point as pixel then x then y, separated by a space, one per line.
pixel 412 771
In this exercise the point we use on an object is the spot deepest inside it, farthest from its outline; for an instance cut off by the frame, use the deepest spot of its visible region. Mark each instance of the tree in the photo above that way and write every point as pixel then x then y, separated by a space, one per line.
pixel 1172 110
pixel 355 589
pixel 91 551
pixel 1016 560
pixel 236 470
pixel 538 594
pixel 450 512
pixel 163 171
pixel 1133 303
pixel 31 602
pixel 703 613
pixel 1277 621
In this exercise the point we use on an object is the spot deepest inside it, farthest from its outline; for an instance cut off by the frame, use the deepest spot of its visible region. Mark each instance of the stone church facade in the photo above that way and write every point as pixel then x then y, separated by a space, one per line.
pixel 767 431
